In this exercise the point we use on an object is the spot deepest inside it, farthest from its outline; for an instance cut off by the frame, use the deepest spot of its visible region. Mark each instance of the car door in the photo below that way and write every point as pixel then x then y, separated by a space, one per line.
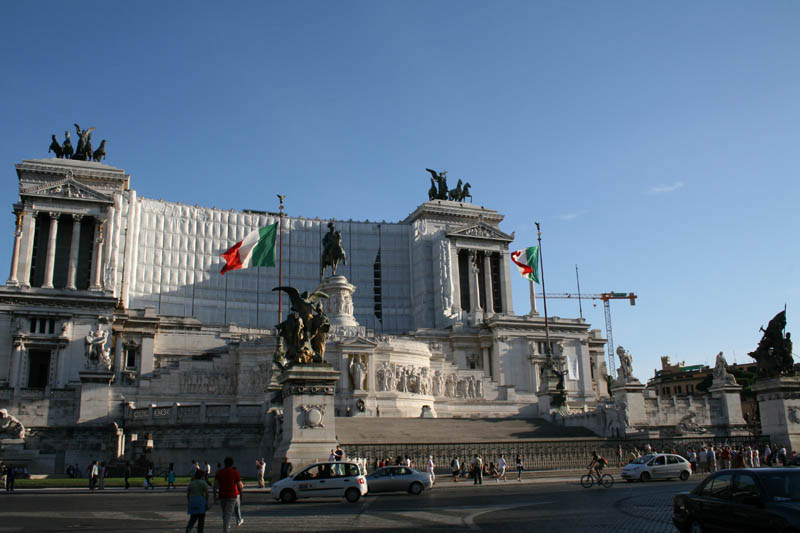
pixel 306 483
pixel 712 506
pixel 333 480
pixel 401 478
pixel 746 512
pixel 674 466
pixel 379 481
pixel 658 467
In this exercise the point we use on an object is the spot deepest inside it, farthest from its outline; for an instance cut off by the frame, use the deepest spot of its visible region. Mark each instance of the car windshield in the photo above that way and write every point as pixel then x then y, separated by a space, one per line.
pixel 643 459
pixel 782 486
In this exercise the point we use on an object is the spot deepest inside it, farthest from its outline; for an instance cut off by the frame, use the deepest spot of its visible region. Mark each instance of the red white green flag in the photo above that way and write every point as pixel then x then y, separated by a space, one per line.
pixel 527 262
pixel 256 249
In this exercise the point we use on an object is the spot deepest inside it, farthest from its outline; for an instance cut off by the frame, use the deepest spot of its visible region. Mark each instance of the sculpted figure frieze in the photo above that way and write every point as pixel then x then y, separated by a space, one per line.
pixel 97 355
pixel 11 425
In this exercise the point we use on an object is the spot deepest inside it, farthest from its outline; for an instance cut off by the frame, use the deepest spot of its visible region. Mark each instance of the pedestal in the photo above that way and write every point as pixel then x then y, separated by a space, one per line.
pixel 779 405
pixel 631 394
pixel 95 396
pixel 309 427
pixel 547 395
pixel 730 399
pixel 339 304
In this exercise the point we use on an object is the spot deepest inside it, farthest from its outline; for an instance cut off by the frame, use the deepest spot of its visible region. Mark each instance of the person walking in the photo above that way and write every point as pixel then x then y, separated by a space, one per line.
pixel 171 476
pixel 148 477
pixel 197 500
pixel 756 459
pixel 207 471
pixel 711 460
pixel 227 487
pixel 501 468
pixel 477 470
pixel 102 470
pixel 286 468
pixel 94 473
pixel 260 467
pixel 429 467
pixel 619 455
pixel 11 477
pixel 520 468
pixel 127 475
pixel 455 467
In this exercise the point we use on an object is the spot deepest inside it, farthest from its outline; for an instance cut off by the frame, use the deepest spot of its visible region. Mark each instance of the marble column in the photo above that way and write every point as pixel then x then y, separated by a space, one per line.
pixel 73 251
pixel 12 277
pixel 473 290
pixel 97 264
pixel 505 286
pixel 496 374
pixel 537 373
pixel 487 366
pixel 455 275
pixel 51 251
pixel 487 282
pixel 26 251
pixel 16 360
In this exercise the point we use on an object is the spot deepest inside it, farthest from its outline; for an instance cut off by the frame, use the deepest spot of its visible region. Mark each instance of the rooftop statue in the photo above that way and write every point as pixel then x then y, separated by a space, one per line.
pixel 84 150
pixel 56 148
pixel 774 353
pixel 67 146
pixel 720 372
pixel 625 370
pixel 332 251
pixel 100 153
pixel 440 179
pixel 303 332
pixel 84 143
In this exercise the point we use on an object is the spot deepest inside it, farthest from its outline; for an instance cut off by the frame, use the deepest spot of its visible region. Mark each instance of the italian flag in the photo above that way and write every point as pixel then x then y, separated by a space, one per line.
pixel 527 262
pixel 255 250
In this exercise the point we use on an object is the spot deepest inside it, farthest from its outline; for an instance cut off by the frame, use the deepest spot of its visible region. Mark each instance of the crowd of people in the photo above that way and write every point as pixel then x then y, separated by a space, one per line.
pixel 709 458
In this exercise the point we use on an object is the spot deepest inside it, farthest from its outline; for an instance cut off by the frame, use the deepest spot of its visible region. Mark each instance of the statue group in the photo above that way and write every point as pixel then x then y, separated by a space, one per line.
pixel 774 353
pixel 84 150
pixel 332 251
pixel 97 355
pixel 439 190
pixel 303 333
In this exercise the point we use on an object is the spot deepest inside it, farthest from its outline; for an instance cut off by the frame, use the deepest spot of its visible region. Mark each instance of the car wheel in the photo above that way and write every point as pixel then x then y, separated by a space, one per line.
pixel 415 488
pixel 352 494
pixel 645 476
pixel 684 475
pixel 695 527
pixel 288 496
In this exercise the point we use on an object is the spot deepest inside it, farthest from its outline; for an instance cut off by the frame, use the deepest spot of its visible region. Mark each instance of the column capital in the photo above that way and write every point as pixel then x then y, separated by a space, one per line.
pixel 54 215
pixel 77 217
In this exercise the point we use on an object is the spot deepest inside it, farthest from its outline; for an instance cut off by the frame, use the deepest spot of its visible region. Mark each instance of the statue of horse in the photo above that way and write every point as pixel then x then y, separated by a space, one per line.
pixel 332 251
pixel 465 193
pixel 771 357
pixel 100 153
pixel 55 147
pixel 432 191
pixel 455 194
pixel 66 148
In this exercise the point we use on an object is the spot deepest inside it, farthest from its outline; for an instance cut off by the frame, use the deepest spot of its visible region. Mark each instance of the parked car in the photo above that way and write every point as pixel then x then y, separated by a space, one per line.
pixel 320 480
pixel 398 478
pixel 744 499
pixel 657 466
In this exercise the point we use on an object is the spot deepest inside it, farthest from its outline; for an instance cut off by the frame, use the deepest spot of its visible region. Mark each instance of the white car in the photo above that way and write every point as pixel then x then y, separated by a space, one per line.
pixel 657 466
pixel 323 480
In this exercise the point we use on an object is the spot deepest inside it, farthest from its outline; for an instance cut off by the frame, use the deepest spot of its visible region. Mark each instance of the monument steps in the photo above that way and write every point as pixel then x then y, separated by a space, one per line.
pixel 384 430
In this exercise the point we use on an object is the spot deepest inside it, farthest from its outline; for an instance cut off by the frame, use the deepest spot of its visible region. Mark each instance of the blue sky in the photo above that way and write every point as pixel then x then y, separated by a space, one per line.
pixel 656 143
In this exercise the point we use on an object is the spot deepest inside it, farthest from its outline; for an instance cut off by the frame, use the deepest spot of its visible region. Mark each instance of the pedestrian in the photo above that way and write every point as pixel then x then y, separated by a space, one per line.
pixel 725 457
pixel 286 468
pixel 207 471
pixel 711 460
pixel 227 487
pixel 407 461
pixel 756 459
pixel 477 470
pixel 455 467
pixel 171 476
pixel 429 467
pixel 520 468
pixel 501 468
pixel 11 477
pixel 127 475
pixel 197 499
pixel 767 455
pixel 339 453
pixel 493 471
pixel 103 469
pixel 260 467
pixel 237 507
pixel 94 474
pixel 702 459
pixel 693 459
pixel 619 455
pixel 148 477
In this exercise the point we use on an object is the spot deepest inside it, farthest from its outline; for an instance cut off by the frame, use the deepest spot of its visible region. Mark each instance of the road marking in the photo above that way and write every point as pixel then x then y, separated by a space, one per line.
pixel 438 518
pixel 469 520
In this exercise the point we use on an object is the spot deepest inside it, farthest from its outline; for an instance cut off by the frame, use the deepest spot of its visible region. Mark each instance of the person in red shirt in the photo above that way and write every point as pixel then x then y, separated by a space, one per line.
pixel 227 488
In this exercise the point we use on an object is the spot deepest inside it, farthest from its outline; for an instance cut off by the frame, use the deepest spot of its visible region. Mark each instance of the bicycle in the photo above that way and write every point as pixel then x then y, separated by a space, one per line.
pixel 587 480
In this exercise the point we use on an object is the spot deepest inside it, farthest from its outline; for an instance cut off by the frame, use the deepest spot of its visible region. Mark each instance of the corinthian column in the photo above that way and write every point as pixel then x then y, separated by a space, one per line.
pixel 473 279
pixel 97 265
pixel 51 251
pixel 12 278
pixel 487 282
pixel 73 251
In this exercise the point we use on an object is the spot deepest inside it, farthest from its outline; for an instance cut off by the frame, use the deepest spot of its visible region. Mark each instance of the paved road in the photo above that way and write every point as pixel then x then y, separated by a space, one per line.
pixel 554 507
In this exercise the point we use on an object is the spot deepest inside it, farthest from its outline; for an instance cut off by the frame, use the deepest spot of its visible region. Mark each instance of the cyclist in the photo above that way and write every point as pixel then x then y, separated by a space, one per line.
pixel 598 463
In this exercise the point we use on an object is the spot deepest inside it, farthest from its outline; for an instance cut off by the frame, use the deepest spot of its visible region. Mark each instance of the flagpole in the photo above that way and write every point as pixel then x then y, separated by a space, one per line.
pixel 544 292
pixel 534 310
pixel 280 259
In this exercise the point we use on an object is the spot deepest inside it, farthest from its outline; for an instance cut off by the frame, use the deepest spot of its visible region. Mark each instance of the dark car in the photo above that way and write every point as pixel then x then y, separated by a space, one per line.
pixel 744 499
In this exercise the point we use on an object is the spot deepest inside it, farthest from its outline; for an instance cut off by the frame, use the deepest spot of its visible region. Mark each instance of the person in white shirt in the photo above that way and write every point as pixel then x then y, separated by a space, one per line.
pixel 429 467
pixel 332 456
pixel 501 468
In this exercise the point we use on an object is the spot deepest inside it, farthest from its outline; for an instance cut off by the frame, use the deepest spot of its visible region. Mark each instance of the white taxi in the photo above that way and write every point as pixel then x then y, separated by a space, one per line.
pixel 323 480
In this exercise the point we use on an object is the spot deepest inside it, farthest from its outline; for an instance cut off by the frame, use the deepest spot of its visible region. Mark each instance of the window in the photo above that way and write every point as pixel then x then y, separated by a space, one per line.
pixel 745 487
pixel 658 461
pixel 343 470
pixel 130 355
pixel 678 389
pixel 43 325
pixel 38 368
pixel 674 460
pixel 718 487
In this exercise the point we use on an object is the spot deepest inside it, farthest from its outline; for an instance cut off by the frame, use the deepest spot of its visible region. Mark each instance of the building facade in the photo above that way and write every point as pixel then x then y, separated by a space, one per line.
pixel 115 320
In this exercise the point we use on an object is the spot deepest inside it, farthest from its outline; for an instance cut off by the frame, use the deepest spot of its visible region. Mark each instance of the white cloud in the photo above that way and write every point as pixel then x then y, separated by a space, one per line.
pixel 571 216
pixel 667 188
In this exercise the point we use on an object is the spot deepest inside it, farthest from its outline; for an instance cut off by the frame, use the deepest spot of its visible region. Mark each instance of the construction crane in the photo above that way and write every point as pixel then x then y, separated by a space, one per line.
pixel 606 297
